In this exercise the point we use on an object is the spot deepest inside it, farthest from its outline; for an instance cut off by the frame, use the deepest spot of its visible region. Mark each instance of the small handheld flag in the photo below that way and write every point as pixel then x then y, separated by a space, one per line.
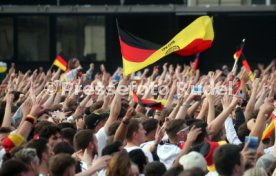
pixel 60 63
pixel 153 104
pixel 248 69
pixel 237 55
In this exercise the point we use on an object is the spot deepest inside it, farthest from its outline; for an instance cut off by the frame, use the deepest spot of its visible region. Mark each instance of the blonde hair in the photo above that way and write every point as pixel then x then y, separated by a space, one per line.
pixel 256 171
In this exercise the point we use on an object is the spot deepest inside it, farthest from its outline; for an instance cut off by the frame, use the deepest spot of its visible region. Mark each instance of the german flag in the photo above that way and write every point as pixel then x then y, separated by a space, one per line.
pixel 248 69
pixel 269 129
pixel 60 63
pixel 153 104
pixel 138 53
pixel 238 53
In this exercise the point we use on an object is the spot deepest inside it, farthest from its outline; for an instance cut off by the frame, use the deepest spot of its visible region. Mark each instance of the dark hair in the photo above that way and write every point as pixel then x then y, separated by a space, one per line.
pixel 112 148
pixel 66 125
pixel 174 126
pixel 40 145
pixel 139 158
pixel 150 125
pixel 41 125
pixel 63 147
pixel 173 171
pixel 68 133
pixel 47 131
pixel 133 126
pixel 60 163
pixel 243 131
pixel 226 157
pixel 202 125
pixel 113 128
pixel 13 168
pixel 82 139
pixel 155 168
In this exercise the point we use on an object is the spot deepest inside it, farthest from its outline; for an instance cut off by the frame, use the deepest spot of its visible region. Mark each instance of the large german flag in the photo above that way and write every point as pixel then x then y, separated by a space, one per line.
pixel 138 53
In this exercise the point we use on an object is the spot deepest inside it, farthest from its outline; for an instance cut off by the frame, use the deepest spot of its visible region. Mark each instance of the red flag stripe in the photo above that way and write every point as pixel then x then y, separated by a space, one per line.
pixel 196 46
pixel 134 54
pixel 61 60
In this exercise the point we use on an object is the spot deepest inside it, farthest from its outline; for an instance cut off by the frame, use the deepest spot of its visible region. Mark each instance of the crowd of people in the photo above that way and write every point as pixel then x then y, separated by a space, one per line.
pixel 195 129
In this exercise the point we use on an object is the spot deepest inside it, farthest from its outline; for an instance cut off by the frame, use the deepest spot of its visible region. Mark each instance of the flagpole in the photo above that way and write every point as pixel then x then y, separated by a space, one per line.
pixel 234 69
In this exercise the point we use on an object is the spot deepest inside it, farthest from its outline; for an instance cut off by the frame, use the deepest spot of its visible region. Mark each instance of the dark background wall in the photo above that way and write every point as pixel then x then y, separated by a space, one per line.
pixel 259 29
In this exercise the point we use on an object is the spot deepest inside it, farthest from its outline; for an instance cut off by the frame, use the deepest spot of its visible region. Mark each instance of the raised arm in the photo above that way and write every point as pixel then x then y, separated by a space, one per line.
pixel 251 103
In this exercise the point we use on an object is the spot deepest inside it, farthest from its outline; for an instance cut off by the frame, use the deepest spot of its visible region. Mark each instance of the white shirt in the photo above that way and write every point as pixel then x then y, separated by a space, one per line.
pixel 167 153
pixel 231 133
pixel 101 137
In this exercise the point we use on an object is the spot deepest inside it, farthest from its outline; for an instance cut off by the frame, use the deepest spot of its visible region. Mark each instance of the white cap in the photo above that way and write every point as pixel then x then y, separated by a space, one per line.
pixel 193 160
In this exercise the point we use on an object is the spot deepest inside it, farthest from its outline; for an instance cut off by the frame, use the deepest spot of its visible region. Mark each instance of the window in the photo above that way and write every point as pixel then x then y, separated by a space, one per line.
pixel 82 37
pixel 33 38
pixel 6 38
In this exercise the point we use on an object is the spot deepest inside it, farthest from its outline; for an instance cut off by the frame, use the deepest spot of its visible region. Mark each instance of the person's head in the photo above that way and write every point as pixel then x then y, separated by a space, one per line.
pixel 228 160
pixel 202 125
pixel 135 132
pixel 150 125
pixel 43 151
pixel 62 165
pixel 112 148
pixel 51 133
pixel 73 63
pixel 139 158
pixel 134 171
pixel 174 130
pixel 85 139
pixel 93 120
pixel 67 135
pixel 193 172
pixel 63 147
pixel 155 168
pixel 243 131
pixel 256 171
pixel 119 165
pixel 28 156
pixel 193 160
pixel 14 167
pixel 267 162
pixel 173 171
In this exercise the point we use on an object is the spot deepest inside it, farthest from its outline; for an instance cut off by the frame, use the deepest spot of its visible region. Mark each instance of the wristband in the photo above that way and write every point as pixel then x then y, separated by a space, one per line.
pixel 31 120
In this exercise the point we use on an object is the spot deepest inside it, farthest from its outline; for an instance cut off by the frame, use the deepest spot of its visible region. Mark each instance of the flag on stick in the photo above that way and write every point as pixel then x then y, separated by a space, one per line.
pixel 238 53
pixel 248 69
pixel 60 63
pixel 151 103
pixel 138 53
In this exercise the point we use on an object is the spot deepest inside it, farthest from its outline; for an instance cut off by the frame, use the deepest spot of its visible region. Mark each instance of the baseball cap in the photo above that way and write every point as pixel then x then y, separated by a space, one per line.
pixel 193 160
pixel 93 119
